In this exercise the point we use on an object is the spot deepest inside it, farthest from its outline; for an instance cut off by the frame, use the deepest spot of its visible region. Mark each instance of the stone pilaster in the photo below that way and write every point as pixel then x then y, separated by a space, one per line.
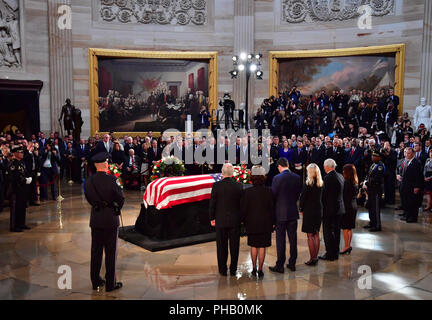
pixel 61 66
pixel 244 34
pixel 426 68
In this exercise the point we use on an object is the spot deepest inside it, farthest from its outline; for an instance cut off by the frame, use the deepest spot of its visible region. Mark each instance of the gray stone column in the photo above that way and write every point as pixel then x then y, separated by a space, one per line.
pixel 60 58
pixel 426 69
pixel 244 35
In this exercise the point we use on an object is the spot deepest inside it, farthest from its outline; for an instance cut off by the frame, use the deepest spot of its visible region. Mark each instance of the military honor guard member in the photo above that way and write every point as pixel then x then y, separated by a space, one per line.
pixel 16 192
pixel 106 198
pixel 374 186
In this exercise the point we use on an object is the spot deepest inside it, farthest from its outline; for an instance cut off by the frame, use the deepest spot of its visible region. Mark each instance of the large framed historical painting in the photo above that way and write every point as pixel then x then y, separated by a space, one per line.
pixel 133 92
pixel 369 69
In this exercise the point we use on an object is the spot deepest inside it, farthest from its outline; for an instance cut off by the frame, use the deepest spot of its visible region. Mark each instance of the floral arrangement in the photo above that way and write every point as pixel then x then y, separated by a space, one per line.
pixel 242 174
pixel 114 170
pixel 167 167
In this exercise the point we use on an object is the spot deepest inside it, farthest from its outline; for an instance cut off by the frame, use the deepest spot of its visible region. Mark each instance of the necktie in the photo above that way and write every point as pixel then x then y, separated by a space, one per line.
pixel 352 152
pixel 417 156
pixel 404 166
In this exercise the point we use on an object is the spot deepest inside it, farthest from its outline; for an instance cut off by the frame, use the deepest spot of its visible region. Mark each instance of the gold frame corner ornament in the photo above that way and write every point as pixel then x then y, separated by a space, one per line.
pixel 397 49
pixel 95 53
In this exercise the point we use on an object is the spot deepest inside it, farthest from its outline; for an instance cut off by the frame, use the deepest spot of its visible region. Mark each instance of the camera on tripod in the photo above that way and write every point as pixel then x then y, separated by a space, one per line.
pixel 228 108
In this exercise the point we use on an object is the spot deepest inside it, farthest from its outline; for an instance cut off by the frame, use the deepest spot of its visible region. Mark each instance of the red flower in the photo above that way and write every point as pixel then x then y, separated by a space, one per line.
pixel 117 175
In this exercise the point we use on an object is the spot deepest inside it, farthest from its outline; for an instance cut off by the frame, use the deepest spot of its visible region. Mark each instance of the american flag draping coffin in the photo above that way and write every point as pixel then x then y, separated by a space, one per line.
pixel 168 192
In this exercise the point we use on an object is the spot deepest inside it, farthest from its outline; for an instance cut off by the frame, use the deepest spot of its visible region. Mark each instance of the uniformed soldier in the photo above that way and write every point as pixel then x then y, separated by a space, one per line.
pixel 16 192
pixel 104 194
pixel 374 185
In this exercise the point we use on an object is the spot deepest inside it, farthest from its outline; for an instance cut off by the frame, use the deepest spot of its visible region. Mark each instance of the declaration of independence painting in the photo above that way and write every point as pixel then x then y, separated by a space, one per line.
pixel 363 72
pixel 140 95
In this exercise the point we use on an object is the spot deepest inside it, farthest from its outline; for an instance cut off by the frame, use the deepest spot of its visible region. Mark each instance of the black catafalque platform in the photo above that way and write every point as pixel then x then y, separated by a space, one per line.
pixel 182 225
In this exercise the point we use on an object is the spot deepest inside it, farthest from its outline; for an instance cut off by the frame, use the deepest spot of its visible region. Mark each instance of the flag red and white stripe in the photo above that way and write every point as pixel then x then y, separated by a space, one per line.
pixel 165 193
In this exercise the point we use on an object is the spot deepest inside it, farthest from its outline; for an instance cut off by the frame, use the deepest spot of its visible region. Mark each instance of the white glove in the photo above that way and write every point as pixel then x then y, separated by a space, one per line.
pixel 38 174
pixel 29 180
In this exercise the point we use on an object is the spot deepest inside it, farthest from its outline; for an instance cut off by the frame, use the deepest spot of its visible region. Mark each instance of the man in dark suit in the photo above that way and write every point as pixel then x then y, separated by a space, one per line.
pixel 83 151
pixel 244 157
pixel 411 179
pixel 132 162
pixel 106 198
pixel 154 153
pixel 337 153
pixel 189 156
pixel 364 116
pixel 131 170
pixel 225 215
pixel 390 161
pixel 353 155
pixel 286 188
pixel 299 159
pixel 419 154
pixel 317 154
pixel 42 141
pixel 333 210
pixel 105 145
pixel 393 99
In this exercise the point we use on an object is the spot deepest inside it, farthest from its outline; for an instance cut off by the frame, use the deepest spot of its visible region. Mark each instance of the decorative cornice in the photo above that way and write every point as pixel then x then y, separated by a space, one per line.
pixel 297 11
pixel 159 12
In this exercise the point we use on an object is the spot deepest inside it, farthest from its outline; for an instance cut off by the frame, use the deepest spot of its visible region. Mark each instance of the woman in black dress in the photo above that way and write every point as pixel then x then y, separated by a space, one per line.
pixel 118 156
pixel 257 211
pixel 311 210
pixel 350 202
pixel 427 173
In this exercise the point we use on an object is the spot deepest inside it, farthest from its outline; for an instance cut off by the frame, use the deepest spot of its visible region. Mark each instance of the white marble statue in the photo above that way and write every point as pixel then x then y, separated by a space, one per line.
pixel 423 114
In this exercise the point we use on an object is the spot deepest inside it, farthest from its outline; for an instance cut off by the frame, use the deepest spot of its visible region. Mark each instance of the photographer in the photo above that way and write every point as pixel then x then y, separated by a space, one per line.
pixel 259 121
pixel 339 128
pixel 294 95
pixel 203 118
pixel 323 99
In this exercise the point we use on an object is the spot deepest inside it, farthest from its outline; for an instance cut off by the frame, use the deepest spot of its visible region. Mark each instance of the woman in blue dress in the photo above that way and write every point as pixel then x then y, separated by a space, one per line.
pixel 285 151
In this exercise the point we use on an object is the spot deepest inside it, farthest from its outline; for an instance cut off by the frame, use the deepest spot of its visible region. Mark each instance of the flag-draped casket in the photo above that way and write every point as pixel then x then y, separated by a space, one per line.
pixel 176 207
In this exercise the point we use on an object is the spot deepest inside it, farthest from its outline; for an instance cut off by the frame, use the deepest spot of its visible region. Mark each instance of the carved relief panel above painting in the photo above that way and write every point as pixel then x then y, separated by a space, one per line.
pixel 10 36
pixel 157 12
pixel 297 11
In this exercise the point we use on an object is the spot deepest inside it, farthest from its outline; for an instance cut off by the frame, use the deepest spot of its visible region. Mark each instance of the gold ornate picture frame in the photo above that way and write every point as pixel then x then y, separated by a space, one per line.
pixel 95 54
pixel 397 49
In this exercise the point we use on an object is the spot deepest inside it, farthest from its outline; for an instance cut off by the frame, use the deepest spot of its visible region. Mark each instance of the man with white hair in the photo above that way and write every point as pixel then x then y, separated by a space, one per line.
pixel 333 210
pixel 225 216
pixel 105 145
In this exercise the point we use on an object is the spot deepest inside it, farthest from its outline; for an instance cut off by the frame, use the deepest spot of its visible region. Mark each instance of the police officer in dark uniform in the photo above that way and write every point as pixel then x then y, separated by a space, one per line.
pixel 16 183
pixel 374 185
pixel 104 194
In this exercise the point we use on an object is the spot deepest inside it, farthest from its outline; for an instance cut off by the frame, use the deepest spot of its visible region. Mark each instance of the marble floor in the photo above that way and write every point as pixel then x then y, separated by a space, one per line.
pixel 399 257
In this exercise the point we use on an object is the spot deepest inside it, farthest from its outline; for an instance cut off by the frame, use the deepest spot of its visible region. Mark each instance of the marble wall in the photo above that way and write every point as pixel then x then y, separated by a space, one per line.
pixel 35 53
pixel 227 24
